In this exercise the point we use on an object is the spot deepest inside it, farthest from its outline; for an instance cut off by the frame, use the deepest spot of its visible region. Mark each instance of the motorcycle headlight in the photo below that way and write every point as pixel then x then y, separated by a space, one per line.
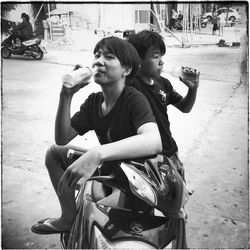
pixel 103 243
pixel 139 186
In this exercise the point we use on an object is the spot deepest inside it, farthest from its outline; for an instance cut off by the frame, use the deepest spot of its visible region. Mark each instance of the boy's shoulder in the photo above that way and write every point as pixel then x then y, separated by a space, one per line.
pixel 137 81
pixel 163 82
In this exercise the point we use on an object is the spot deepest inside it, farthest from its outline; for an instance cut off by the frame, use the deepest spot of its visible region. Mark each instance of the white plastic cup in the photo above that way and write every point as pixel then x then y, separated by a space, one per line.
pixel 75 77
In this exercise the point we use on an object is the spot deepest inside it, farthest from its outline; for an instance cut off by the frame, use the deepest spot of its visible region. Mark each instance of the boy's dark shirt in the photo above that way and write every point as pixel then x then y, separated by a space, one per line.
pixel 160 95
pixel 131 110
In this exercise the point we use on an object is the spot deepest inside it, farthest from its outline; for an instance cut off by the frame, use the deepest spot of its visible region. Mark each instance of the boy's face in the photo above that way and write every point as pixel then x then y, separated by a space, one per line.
pixel 152 64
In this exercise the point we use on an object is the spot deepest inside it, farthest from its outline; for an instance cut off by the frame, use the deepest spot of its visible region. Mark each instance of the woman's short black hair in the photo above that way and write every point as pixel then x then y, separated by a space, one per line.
pixel 123 50
pixel 146 39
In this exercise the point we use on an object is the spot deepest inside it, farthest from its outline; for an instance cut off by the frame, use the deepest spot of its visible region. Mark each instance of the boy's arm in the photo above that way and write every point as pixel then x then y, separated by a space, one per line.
pixel 186 104
pixel 146 142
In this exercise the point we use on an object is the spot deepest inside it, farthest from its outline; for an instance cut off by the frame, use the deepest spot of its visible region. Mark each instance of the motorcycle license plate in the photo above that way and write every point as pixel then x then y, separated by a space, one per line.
pixel 42 49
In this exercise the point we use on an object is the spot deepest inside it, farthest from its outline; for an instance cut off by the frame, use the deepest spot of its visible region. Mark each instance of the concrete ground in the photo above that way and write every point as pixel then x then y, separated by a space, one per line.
pixel 212 139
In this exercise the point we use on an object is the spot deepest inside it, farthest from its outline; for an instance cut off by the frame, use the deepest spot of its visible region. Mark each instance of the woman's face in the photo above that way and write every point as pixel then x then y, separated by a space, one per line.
pixel 152 64
pixel 108 68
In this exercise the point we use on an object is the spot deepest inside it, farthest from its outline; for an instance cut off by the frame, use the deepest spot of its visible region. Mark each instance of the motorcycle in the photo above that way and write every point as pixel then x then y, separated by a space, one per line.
pixel 131 207
pixel 31 48
pixel 204 22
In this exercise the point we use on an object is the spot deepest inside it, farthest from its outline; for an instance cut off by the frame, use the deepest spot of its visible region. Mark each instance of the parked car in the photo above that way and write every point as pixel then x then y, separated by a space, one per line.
pixel 233 15
pixel 127 33
pixel 121 33
pixel 104 31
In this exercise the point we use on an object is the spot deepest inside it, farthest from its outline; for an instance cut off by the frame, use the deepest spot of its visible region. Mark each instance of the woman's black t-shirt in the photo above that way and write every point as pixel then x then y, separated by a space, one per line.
pixel 131 110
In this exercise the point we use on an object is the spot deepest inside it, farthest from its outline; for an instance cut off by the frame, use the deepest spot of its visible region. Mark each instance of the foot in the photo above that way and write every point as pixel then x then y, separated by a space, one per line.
pixel 52 226
pixel 61 224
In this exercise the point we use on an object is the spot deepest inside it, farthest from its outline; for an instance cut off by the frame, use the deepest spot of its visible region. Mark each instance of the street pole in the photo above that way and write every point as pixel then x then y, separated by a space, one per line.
pixel 38 12
pixel 99 16
pixel 50 28
pixel 183 45
pixel 227 15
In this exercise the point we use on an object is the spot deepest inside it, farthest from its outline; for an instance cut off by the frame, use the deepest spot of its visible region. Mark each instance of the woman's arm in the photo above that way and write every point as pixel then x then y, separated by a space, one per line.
pixel 64 132
pixel 146 142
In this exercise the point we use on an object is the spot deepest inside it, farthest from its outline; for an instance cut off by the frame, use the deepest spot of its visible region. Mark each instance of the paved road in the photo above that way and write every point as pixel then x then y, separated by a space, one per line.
pixel 212 141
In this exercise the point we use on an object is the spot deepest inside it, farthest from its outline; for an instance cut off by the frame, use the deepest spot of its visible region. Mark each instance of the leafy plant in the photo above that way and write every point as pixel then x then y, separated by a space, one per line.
pixel 6 7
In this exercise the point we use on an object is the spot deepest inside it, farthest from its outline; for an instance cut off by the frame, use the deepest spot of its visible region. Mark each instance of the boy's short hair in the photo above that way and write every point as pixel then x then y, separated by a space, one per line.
pixel 123 50
pixel 146 39
pixel 25 16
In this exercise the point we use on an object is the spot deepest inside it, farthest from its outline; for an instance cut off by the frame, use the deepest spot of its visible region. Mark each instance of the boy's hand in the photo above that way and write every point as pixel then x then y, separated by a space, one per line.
pixel 77 66
pixel 190 77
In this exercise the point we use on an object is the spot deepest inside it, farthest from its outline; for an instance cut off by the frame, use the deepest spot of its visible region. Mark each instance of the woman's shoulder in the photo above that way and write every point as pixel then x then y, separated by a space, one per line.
pixel 94 98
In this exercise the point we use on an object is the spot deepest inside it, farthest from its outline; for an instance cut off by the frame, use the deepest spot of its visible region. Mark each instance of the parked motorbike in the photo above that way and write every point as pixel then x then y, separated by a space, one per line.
pixel 31 48
pixel 132 207
pixel 178 23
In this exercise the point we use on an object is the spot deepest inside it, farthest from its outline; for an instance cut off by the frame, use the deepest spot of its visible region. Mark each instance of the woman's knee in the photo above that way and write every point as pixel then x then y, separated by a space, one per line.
pixel 56 156
pixel 50 156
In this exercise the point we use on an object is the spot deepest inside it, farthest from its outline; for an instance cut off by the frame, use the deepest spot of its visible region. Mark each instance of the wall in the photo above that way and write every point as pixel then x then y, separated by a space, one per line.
pixel 115 16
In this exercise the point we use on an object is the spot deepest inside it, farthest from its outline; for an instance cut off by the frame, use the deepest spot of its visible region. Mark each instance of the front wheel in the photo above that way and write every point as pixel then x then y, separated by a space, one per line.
pixel 232 18
pixel 5 53
pixel 38 55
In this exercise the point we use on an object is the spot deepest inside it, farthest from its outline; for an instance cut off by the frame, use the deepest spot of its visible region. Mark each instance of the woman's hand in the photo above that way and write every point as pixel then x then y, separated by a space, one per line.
pixel 77 87
pixel 73 90
pixel 85 166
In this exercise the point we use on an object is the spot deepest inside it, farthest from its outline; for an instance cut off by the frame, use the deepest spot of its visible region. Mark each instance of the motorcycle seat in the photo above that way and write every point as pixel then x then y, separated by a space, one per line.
pixel 31 41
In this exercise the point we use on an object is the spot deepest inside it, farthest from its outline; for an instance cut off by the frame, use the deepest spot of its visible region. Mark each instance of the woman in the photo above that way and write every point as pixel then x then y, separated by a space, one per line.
pixel 120 116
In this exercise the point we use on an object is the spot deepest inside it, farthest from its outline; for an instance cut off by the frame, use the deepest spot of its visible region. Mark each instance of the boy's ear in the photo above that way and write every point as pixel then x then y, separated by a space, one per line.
pixel 127 71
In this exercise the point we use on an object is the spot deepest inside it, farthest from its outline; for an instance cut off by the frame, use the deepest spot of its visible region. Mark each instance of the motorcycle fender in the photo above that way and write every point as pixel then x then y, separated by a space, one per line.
pixel 42 48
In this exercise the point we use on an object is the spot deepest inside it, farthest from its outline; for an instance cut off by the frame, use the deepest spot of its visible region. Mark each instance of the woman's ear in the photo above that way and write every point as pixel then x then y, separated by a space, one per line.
pixel 127 71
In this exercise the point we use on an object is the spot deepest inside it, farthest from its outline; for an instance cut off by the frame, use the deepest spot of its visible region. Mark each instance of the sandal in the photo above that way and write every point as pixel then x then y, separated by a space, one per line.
pixel 45 227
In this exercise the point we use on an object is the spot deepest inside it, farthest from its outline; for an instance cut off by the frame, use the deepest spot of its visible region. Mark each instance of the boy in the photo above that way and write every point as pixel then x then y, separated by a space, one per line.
pixel 121 117
pixel 159 91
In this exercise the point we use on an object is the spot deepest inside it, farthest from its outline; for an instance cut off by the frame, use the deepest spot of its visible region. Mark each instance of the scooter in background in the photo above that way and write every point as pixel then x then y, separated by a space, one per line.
pixel 30 48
